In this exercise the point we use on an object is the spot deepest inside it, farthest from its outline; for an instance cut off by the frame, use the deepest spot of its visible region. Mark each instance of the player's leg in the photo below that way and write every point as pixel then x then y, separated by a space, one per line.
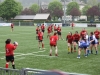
pixel 12 61
pixel 7 61
pixel 79 52
pixel 50 50
pixel 56 51
pixel 96 48
pixel 91 46
pixel 42 44
pixel 74 44
pixel 69 49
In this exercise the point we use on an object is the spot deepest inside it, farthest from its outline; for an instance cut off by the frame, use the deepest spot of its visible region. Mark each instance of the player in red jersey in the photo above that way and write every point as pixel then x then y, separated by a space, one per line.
pixel 69 39
pixel 82 33
pixel 9 48
pixel 55 28
pixel 76 38
pixel 97 34
pixel 59 32
pixel 72 25
pixel 12 26
pixel 40 38
pixel 49 31
pixel 37 30
pixel 53 43
pixel 43 28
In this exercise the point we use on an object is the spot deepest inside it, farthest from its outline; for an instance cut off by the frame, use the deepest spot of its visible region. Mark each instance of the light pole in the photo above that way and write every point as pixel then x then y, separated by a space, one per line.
pixel 64 10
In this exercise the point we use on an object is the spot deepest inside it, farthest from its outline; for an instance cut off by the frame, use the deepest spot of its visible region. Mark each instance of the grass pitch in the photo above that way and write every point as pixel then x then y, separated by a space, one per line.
pixel 28 55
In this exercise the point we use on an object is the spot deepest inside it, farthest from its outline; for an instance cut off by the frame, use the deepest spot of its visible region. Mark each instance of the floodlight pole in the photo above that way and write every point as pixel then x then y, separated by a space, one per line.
pixel 64 11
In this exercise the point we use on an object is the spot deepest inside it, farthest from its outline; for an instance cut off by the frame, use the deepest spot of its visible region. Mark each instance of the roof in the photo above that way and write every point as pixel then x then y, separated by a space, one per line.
pixel 24 17
pixel 42 16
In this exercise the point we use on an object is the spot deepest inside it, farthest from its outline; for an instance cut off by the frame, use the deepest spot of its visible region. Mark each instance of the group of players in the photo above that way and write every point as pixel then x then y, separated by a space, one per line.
pixel 82 39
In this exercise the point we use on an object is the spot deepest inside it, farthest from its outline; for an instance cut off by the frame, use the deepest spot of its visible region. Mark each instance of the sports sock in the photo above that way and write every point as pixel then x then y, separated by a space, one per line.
pixel 74 48
pixel 13 66
pixel 91 52
pixel 71 49
pixel 96 52
pixel 7 65
pixel 68 49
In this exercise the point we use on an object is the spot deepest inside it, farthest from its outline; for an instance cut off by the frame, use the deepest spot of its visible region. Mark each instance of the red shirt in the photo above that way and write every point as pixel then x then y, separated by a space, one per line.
pixel 59 29
pixel 53 39
pixel 76 37
pixel 42 27
pixel 96 33
pixel 10 49
pixel 69 38
pixel 72 24
pixel 49 29
pixel 12 25
pixel 82 33
pixel 40 35
pixel 55 28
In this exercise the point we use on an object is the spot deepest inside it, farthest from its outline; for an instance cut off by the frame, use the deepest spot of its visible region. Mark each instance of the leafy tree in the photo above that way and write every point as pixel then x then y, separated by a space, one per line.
pixel 70 6
pixel 92 2
pixel 27 11
pixel 52 6
pixel 9 9
pixel 44 10
pixel 93 11
pixel 99 10
pixel 58 12
pixel 35 8
pixel 20 7
pixel 85 8
pixel 75 12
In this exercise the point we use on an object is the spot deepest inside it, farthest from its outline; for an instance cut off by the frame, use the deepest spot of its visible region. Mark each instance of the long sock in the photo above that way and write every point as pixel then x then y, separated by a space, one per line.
pixel 96 51
pixel 13 66
pixel 74 48
pixel 71 49
pixel 7 65
pixel 42 45
pixel 68 49
pixel 91 52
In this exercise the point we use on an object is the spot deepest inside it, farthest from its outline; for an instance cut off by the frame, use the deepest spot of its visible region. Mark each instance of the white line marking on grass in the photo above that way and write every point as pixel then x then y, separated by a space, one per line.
pixel 20 54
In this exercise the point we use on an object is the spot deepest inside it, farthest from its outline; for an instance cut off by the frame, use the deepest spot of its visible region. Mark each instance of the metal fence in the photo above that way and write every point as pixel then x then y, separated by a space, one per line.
pixel 29 71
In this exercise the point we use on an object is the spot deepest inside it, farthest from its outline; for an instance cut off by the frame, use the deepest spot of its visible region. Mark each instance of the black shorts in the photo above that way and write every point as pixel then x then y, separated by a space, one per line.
pixel 43 31
pixel 10 58
pixel 40 40
pixel 76 41
pixel 59 33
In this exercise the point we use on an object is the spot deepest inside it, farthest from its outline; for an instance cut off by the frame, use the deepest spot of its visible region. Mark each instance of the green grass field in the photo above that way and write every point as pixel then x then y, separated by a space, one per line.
pixel 28 55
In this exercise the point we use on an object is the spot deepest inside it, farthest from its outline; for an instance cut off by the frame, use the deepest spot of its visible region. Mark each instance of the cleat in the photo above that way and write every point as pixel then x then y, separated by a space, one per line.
pixel 78 57
pixel 56 54
pixel 50 54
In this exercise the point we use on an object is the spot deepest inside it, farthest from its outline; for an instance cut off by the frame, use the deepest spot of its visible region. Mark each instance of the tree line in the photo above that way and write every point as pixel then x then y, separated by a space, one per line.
pixel 10 8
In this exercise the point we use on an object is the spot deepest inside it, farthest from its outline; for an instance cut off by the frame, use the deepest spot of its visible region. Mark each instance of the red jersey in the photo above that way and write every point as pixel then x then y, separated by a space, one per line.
pixel 59 29
pixel 53 40
pixel 76 37
pixel 69 38
pixel 37 30
pixel 10 49
pixel 49 29
pixel 55 28
pixel 12 25
pixel 42 27
pixel 72 25
pixel 97 33
pixel 82 33
pixel 40 35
